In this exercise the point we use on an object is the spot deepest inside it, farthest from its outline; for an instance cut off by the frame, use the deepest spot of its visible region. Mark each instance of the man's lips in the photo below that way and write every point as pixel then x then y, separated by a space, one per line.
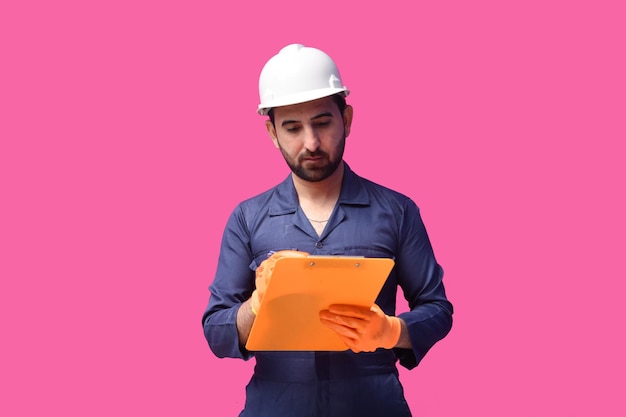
pixel 313 158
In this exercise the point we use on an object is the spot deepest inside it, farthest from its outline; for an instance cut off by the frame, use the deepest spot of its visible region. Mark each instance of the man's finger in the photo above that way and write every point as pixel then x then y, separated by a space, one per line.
pixel 350 310
pixel 340 329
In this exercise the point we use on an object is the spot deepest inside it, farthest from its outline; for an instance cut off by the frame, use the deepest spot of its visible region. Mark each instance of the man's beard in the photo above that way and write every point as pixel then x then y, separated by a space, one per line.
pixel 319 173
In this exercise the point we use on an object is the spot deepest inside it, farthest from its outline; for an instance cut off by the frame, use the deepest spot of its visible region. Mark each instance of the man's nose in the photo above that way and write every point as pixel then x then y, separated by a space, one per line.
pixel 311 140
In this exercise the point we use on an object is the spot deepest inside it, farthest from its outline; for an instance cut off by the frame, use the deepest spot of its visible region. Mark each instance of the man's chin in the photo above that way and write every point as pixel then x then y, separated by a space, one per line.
pixel 313 174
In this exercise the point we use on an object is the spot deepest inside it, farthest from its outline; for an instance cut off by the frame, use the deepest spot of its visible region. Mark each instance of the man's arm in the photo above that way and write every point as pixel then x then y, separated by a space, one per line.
pixel 421 279
pixel 231 288
pixel 404 342
pixel 245 319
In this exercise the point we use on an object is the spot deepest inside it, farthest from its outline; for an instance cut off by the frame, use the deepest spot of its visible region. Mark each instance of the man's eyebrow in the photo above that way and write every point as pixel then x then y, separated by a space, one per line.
pixel 287 122
pixel 318 116
pixel 325 114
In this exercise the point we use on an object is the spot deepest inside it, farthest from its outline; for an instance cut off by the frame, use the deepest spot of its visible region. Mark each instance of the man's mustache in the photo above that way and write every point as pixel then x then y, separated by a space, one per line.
pixel 315 154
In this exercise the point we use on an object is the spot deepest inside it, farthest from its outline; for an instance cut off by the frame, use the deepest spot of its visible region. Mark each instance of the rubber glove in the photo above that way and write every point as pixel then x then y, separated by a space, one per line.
pixel 264 274
pixel 362 329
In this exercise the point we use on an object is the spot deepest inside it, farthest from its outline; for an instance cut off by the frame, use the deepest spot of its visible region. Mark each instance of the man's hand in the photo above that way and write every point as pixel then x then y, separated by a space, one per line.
pixel 264 274
pixel 362 329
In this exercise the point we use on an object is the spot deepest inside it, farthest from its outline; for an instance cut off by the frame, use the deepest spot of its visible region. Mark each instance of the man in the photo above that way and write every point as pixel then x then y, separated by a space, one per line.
pixel 324 208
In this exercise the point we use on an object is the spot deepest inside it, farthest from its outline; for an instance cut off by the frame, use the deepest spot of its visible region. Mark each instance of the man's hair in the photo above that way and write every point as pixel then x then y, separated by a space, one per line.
pixel 339 99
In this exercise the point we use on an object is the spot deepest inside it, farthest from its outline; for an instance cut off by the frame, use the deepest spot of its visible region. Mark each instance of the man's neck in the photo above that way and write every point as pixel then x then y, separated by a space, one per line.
pixel 318 199
pixel 320 191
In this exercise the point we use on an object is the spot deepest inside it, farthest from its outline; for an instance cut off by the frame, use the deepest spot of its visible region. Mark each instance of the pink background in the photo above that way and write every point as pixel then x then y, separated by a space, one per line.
pixel 128 134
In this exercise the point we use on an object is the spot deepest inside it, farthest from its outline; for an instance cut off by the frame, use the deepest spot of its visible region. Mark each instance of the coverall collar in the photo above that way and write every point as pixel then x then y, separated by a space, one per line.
pixel 352 193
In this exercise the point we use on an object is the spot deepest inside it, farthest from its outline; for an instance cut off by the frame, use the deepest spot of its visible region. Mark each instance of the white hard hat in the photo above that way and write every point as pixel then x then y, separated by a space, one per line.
pixel 298 74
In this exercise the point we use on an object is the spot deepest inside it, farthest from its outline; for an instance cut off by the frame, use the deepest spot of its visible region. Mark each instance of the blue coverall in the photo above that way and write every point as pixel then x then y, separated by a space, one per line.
pixel 368 220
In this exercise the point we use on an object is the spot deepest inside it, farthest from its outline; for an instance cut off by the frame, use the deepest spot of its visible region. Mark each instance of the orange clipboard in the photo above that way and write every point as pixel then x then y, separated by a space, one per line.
pixel 288 317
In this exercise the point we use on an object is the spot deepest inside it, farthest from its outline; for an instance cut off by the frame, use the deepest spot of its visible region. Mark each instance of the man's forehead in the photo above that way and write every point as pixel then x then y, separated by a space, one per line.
pixel 307 109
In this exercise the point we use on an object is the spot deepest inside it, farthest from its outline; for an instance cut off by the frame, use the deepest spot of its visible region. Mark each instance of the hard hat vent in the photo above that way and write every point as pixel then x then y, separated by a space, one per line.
pixel 334 82
pixel 294 47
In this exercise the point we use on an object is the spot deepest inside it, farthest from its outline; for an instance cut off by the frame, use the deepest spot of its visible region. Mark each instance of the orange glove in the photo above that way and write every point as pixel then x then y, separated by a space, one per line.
pixel 362 329
pixel 264 273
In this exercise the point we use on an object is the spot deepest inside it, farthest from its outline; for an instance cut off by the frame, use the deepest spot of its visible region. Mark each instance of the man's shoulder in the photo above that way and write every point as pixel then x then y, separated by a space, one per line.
pixel 264 198
pixel 384 188
pixel 383 191
pixel 259 199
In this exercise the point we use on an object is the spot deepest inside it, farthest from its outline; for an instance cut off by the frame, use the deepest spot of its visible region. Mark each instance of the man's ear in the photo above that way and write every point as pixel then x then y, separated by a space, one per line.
pixel 347 119
pixel 271 131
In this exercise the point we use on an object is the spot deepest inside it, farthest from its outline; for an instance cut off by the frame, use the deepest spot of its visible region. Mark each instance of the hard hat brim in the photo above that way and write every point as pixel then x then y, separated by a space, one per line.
pixel 302 97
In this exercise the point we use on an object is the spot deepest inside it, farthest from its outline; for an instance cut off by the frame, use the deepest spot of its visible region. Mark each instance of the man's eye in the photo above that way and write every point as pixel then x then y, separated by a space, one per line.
pixel 293 129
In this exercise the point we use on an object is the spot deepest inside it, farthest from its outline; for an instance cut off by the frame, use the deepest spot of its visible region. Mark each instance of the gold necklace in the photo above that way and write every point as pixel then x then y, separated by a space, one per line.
pixel 318 221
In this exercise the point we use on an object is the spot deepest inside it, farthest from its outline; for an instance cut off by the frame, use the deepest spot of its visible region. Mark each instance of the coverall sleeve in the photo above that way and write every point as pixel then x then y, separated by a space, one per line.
pixel 232 285
pixel 420 277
